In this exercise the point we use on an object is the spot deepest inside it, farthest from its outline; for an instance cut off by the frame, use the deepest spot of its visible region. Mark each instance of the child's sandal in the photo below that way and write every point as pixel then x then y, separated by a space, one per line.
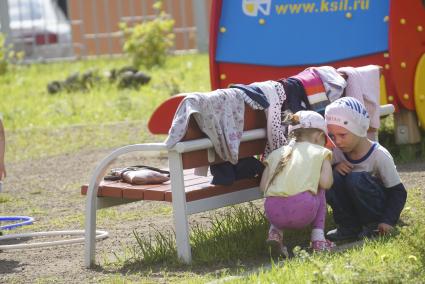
pixel 275 244
pixel 323 245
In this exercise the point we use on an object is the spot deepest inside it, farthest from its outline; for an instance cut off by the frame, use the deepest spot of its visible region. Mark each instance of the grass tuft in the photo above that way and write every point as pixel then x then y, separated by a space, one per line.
pixel 4 198
pixel 235 234
pixel 157 248
pixel 228 237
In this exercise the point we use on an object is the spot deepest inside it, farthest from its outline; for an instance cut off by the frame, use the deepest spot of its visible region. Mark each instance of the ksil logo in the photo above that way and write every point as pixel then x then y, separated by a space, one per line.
pixel 254 7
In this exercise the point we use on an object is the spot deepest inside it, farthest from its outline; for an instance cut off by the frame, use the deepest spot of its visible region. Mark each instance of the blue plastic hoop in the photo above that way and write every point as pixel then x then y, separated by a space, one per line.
pixel 24 220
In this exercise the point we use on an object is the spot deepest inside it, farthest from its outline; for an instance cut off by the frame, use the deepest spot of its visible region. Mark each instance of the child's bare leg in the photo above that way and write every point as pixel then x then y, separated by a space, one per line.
pixel 318 241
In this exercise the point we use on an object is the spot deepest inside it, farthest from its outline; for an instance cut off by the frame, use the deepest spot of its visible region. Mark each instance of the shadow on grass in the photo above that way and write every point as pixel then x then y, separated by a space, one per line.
pixel 234 241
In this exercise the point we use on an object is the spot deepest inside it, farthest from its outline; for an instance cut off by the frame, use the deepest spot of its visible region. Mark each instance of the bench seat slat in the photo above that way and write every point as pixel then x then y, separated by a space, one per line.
pixel 196 187
pixel 153 191
pixel 204 190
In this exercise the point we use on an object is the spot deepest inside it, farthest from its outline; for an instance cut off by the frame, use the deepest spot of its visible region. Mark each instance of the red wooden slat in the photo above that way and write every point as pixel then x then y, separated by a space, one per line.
pixel 100 191
pixel 205 190
pixel 158 193
pixel 152 191
pixel 113 189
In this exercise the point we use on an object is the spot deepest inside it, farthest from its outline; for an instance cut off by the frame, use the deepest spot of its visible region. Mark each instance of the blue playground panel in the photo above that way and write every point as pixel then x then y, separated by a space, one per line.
pixel 272 32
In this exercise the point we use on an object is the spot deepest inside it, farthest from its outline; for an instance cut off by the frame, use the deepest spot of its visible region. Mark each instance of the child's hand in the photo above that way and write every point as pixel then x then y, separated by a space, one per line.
pixel 344 168
pixel 384 228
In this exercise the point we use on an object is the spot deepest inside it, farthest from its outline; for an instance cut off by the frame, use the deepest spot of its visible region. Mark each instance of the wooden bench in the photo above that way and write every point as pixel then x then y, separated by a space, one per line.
pixel 187 192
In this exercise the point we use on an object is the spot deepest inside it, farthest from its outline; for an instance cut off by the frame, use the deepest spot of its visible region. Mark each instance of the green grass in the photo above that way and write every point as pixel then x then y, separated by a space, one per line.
pixel 5 198
pixel 40 124
pixel 228 237
pixel 397 259
pixel 236 237
pixel 25 102
pixel 212 244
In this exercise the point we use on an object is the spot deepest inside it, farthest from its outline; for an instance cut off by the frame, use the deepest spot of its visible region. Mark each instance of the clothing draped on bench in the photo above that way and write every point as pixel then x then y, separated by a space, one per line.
pixel 363 84
pixel 333 82
pixel 276 131
pixel 314 89
pixel 219 114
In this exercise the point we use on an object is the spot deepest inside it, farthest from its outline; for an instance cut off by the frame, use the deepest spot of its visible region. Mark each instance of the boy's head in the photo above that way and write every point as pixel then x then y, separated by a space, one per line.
pixel 347 121
pixel 350 114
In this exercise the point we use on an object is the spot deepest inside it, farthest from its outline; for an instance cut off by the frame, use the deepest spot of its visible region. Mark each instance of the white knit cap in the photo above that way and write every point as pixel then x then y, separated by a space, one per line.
pixel 349 113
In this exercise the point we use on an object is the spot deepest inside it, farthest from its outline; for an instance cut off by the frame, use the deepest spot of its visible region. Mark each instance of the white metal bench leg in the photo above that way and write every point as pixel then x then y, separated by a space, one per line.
pixel 90 230
pixel 91 202
pixel 179 207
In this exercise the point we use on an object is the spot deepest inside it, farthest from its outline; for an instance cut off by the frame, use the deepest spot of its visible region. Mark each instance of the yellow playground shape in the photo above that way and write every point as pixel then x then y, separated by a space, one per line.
pixel 419 93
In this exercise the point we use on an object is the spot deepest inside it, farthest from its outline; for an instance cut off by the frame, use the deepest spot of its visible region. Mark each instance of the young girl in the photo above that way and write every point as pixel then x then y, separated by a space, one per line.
pixel 294 181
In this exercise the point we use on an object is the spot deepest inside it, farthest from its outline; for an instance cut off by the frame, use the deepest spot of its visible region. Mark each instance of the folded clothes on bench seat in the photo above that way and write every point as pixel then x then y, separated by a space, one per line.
pixel 139 175
pixel 226 173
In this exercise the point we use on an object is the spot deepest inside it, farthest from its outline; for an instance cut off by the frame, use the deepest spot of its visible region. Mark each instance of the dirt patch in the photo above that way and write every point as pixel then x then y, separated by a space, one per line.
pixel 48 190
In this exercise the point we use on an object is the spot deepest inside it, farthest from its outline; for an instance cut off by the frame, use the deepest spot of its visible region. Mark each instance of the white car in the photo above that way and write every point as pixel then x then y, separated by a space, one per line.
pixel 40 29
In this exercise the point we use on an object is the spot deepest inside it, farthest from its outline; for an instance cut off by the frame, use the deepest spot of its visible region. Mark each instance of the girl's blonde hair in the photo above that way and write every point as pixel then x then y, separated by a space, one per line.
pixel 297 135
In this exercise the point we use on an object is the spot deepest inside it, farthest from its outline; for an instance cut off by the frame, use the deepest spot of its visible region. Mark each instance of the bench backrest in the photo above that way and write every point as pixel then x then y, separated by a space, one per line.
pixel 253 119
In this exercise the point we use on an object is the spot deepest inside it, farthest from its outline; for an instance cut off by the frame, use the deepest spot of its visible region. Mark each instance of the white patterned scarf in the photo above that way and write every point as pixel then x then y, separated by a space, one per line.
pixel 219 114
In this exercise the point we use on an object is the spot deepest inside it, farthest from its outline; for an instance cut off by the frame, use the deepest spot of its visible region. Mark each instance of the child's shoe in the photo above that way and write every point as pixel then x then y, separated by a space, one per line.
pixel 323 245
pixel 369 231
pixel 342 234
pixel 275 244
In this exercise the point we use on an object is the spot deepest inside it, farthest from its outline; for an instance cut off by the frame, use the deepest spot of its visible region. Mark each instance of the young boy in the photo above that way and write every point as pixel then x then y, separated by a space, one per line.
pixel 367 195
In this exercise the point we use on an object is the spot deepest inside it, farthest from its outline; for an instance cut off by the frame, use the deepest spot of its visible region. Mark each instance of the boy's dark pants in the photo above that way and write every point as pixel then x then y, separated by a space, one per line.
pixel 357 199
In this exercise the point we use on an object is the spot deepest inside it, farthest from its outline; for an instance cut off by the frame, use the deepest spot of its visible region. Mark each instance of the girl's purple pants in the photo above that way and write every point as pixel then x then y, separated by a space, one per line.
pixel 297 211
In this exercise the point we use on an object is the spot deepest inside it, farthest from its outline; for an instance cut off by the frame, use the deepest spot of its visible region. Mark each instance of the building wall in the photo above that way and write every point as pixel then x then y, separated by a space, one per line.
pixel 95 23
